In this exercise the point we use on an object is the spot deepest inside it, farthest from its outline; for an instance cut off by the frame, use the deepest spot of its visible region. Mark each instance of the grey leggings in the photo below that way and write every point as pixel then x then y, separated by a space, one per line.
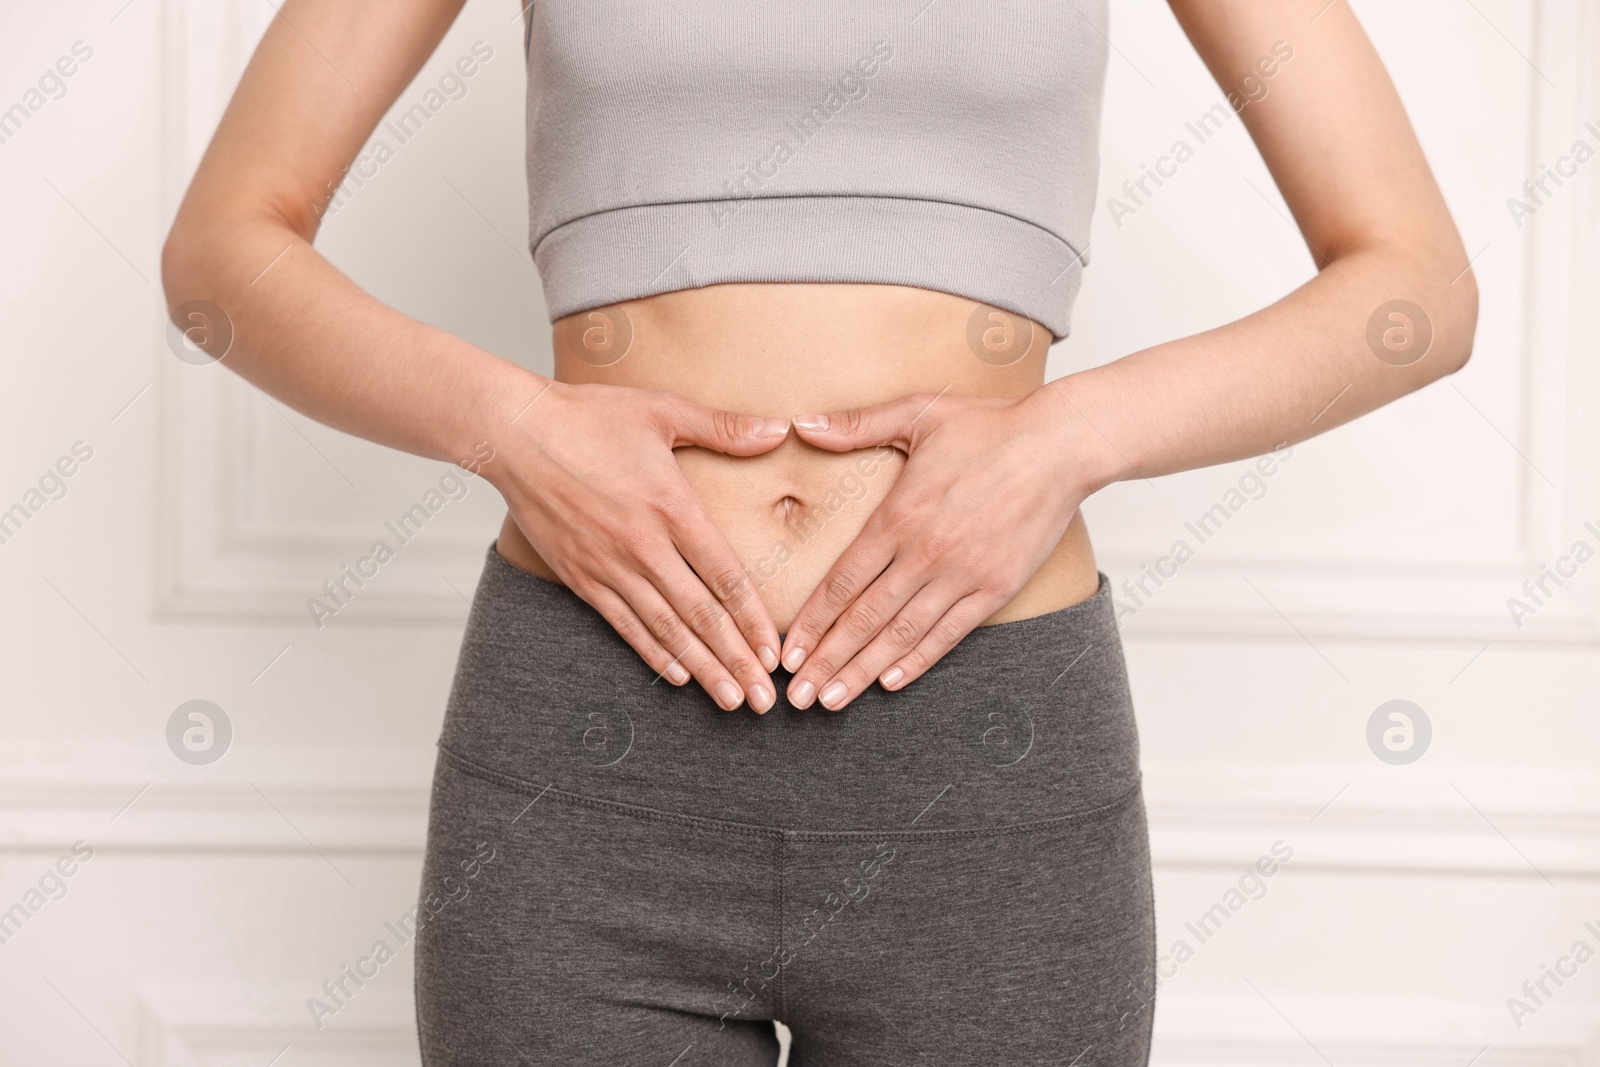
pixel 618 872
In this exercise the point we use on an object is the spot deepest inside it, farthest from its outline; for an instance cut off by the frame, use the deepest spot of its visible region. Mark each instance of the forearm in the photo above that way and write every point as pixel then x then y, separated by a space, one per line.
pixel 1294 369
pixel 306 334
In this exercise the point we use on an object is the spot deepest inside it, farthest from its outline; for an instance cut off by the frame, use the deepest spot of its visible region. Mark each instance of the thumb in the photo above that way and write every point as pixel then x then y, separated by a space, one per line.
pixel 722 431
pixel 895 423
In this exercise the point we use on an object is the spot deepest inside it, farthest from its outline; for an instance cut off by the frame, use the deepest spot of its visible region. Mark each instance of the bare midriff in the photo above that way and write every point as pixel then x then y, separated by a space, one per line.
pixel 781 350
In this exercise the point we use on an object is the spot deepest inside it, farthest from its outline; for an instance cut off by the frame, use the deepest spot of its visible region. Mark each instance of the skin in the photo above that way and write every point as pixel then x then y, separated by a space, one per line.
pixel 738 408
pixel 825 354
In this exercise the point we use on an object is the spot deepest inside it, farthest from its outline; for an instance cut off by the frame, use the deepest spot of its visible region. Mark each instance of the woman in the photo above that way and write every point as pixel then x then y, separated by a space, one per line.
pixel 804 265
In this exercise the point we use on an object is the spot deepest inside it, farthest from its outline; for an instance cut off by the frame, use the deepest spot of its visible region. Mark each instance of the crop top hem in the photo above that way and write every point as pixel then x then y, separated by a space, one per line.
pixel 988 256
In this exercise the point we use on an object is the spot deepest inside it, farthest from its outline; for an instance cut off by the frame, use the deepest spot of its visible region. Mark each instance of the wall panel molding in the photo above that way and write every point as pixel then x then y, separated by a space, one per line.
pixel 195 1025
pixel 1212 817
pixel 184 1026
pixel 1239 1026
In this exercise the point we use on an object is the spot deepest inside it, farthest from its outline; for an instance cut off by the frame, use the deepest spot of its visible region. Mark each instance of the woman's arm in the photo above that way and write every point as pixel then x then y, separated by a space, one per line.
pixel 990 486
pixel 632 539
pixel 1336 138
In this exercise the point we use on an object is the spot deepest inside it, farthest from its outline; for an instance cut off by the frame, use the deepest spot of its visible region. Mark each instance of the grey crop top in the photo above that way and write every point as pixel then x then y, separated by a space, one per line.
pixel 946 144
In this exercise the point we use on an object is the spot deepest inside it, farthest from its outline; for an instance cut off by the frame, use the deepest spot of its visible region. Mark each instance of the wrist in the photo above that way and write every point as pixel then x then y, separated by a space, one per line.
pixel 499 407
pixel 1092 461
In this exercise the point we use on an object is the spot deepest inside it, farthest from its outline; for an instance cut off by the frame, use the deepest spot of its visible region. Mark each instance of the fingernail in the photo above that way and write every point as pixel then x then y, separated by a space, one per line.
pixel 770 427
pixel 800 695
pixel 833 694
pixel 793 658
pixel 761 699
pixel 728 695
pixel 676 674
pixel 811 422
pixel 769 658
pixel 891 677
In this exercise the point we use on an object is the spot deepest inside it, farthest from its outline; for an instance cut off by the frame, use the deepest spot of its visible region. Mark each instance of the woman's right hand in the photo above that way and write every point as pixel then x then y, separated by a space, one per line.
pixel 591 480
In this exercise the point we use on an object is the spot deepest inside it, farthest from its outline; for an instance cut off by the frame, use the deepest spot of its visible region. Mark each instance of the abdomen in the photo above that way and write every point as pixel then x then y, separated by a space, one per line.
pixel 785 350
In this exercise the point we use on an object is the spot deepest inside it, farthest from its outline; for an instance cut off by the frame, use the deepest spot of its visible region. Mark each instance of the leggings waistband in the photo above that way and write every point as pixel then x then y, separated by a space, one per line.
pixel 1021 721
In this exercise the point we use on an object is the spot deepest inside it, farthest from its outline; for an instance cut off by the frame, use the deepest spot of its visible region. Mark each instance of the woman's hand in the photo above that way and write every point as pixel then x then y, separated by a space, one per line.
pixel 987 492
pixel 592 482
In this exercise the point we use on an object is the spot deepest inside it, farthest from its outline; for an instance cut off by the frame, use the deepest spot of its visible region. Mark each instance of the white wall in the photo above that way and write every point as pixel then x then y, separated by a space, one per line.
pixel 1376 566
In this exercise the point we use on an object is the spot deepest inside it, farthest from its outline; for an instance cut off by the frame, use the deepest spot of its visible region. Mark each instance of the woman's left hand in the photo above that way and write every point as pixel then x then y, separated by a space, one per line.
pixel 988 489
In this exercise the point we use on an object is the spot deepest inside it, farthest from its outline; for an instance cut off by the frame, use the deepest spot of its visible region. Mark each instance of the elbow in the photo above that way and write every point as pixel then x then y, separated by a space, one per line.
pixel 1429 270
pixel 183 258
pixel 1445 293
pixel 1459 325
pixel 192 306
pixel 204 255
pixel 176 252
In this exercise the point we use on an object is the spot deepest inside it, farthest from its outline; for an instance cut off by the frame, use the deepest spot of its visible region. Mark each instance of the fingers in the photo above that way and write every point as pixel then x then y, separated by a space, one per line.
pixel 867 557
pixel 698 574
pixel 895 423
pixel 695 607
pixel 644 545
pixel 736 594
pixel 702 545
pixel 836 642
pixel 698 538
pixel 626 622
pixel 732 622
pixel 888 660
pixel 671 612
pixel 671 615
pixel 721 431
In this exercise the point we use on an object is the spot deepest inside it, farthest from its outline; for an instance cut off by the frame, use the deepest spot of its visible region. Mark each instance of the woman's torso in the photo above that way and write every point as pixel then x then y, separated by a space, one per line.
pixel 781 350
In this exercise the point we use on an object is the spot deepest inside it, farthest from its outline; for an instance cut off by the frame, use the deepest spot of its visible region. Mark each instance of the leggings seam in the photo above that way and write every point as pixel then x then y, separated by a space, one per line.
pixel 783 874
pixel 728 826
